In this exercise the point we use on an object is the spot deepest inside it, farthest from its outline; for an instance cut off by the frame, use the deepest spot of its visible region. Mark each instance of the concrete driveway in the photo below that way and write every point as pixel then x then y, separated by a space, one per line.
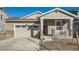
pixel 19 44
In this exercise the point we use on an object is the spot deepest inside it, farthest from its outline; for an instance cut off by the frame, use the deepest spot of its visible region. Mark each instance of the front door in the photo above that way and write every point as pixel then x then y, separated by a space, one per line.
pixel 58 27
pixel 45 28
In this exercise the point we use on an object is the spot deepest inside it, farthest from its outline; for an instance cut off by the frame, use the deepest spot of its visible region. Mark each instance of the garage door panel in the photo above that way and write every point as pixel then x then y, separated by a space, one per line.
pixel 22 32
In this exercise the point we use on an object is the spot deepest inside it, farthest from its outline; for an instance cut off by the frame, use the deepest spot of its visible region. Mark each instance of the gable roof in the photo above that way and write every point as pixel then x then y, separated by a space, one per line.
pixel 21 18
pixel 58 9
pixel 4 11
pixel 37 12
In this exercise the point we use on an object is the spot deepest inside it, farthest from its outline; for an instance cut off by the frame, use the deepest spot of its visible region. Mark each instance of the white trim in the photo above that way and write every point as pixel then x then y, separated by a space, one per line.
pixel 71 27
pixel 60 10
pixel 30 14
pixel 22 20
pixel 5 12
pixel 14 29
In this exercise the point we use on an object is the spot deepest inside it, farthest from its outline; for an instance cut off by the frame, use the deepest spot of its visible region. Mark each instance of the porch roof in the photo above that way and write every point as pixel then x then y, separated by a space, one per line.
pixel 58 9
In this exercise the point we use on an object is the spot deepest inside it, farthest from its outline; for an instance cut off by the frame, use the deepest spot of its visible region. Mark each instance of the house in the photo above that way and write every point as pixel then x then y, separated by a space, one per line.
pixel 54 23
pixel 3 16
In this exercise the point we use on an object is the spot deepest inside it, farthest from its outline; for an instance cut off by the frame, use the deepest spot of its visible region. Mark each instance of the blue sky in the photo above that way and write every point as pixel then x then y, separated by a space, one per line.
pixel 22 11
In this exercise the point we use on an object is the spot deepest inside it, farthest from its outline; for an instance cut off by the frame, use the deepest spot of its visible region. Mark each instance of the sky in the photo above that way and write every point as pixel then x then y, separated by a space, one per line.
pixel 22 11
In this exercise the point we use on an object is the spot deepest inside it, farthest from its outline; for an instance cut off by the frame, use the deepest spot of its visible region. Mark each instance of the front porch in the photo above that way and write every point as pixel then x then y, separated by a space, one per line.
pixel 56 23
pixel 56 28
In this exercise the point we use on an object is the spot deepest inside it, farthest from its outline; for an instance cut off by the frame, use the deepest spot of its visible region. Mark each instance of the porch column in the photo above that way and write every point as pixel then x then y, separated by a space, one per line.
pixel 71 27
pixel 14 30
pixel 41 28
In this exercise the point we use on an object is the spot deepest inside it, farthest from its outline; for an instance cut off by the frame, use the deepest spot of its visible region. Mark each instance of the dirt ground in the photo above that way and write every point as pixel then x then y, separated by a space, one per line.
pixel 59 45
pixel 3 37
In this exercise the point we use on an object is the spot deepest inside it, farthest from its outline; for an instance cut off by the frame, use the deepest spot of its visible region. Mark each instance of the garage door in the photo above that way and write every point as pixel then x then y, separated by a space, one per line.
pixel 22 31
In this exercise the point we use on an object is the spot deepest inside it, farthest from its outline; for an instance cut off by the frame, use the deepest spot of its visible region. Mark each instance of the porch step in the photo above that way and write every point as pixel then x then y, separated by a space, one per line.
pixel 47 38
pixel 50 38
pixel 60 36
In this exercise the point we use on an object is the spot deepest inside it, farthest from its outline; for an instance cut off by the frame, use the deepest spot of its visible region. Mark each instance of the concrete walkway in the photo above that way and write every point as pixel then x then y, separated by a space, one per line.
pixel 19 44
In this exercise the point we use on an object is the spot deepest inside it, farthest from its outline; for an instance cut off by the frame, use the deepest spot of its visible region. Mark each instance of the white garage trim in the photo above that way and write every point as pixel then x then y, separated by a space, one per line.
pixel 14 29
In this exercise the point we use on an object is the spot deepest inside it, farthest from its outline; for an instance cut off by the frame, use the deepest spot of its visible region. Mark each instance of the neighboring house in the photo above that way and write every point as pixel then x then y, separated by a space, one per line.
pixel 54 23
pixel 3 15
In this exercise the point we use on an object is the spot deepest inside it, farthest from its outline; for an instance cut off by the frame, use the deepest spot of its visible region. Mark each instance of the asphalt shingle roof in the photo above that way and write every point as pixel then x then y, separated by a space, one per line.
pixel 13 18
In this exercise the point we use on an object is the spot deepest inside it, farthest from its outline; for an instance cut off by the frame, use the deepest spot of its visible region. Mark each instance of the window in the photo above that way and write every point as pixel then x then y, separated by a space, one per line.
pixel 22 26
pixel 17 26
pixel 1 16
